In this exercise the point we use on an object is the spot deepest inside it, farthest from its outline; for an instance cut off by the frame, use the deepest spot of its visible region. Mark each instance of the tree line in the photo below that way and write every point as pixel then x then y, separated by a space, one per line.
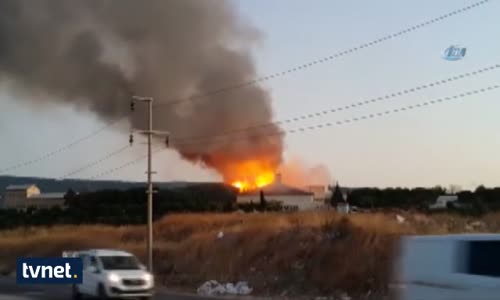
pixel 477 202
pixel 119 207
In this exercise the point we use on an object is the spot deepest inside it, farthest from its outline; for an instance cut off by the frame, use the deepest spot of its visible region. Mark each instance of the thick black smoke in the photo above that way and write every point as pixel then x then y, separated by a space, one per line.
pixel 95 54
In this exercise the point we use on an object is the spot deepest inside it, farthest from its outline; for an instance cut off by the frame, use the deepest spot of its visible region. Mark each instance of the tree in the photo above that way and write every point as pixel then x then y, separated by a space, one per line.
pixel 337 196
pixel 439 189
pixel 263 202
pixel 478 207
pixel 450 205
pixel 70 196
pixel 454 189
pixel 480 189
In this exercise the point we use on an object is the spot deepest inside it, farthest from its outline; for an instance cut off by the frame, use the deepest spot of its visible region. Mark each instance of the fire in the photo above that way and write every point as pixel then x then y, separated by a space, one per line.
pixel 251 175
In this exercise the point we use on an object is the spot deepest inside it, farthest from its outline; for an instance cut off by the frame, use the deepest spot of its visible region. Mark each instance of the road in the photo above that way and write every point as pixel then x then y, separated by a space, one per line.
pixel 9 290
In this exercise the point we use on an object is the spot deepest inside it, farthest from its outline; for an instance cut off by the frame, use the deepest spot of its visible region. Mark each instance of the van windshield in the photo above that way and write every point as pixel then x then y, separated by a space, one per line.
pixel 119 263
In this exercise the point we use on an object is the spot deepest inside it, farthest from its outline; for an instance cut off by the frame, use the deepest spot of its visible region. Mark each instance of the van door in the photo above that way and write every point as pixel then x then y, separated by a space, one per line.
pixel 83 287
pixel 91 276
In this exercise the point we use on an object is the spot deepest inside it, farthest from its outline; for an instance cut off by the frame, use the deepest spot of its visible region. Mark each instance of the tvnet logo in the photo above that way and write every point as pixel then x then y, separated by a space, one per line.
pixel 454 52
pixel 58 270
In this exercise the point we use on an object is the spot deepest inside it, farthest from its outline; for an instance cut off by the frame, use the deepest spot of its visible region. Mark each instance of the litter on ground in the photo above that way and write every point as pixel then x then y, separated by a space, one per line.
pixel 214 288
pixel 400 219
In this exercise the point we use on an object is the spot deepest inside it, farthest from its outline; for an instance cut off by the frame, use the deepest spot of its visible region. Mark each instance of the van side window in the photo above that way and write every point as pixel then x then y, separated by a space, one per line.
pixel 93 262
pixel 85 260
pixel 482 258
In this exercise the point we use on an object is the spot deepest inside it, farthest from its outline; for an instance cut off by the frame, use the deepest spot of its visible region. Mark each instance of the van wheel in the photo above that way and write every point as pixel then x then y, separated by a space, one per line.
pixel 75 293
pixel 101 292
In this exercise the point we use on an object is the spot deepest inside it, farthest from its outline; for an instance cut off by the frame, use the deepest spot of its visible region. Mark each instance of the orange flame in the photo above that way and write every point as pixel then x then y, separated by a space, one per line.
pixel 251 175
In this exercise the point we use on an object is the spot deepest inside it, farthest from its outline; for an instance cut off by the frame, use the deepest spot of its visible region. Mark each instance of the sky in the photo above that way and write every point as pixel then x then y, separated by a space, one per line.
pixel 451 143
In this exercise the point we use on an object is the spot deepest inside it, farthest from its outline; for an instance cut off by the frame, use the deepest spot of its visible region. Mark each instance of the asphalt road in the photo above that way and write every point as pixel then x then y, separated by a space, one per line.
pixel 9 290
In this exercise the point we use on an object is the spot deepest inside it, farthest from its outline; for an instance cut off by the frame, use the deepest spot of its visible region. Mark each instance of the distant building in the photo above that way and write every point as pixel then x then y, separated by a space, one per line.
pixel 320 192
pixel 290 198
pixel 442 201
pixel 343 208
pixel 29 195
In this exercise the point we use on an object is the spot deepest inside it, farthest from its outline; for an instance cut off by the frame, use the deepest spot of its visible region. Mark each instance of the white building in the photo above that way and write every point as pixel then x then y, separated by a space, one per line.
pixel 343 208
pixel 290 198
pixel 29 195
pixel 442 201
pixel 320 192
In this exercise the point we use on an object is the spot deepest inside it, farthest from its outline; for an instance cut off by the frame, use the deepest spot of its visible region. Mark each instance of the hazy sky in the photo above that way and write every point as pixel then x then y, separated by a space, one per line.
pixel 452 143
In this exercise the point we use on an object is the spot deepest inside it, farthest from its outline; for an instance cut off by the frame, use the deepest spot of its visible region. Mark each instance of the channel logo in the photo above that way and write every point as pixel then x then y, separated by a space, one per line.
pixel 57 270
pixel 454 52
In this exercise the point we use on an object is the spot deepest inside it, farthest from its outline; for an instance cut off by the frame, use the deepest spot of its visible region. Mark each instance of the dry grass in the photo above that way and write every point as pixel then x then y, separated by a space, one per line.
pixel 306 251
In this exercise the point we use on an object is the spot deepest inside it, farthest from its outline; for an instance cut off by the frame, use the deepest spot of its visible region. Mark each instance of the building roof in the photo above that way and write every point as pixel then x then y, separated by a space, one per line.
pixel 447 198
pixel 19 187
pixel 54 196
pixel 278 189
pixel 107 252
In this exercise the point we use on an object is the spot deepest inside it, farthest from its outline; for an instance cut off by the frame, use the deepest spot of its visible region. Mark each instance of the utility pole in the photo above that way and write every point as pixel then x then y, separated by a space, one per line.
pixel 149 133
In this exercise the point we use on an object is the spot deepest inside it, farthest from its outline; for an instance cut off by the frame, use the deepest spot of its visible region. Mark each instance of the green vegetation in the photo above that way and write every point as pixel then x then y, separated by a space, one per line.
pixel 122 207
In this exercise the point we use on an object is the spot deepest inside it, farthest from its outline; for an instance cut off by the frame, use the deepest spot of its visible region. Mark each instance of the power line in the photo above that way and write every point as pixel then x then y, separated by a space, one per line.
pixel 94 163
pixel 345 107
pixel 329 124
pixel 50 154
pixel 150 134
pixel 353 119
pixel 130 163
pixel 257 80
pixel 327 58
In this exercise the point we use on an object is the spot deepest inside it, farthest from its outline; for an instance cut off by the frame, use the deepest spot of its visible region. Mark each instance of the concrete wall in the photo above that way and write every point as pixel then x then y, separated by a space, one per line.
pixel 14 199
pixel 44 202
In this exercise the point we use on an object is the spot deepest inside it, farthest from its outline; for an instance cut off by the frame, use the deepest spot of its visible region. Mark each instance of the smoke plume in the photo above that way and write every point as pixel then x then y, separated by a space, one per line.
pixel 298 173
pixel 94 55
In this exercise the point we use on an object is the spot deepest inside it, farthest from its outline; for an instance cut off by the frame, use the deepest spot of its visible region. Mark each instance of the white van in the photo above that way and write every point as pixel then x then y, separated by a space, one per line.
pixel 112 274
pixel 448 267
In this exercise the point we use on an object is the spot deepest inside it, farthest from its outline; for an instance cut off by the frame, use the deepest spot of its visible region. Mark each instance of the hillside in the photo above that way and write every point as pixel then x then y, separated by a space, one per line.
pixel 49 185
pixel 297 254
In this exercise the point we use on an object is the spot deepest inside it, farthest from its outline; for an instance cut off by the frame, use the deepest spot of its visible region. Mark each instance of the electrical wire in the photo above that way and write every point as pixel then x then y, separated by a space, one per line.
pixel 326 58
pixel 345 121
pixel 96 162
pixel 372 100
pixel 128 164
pixel 50 154
pixel 256 81
pixel 329 124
